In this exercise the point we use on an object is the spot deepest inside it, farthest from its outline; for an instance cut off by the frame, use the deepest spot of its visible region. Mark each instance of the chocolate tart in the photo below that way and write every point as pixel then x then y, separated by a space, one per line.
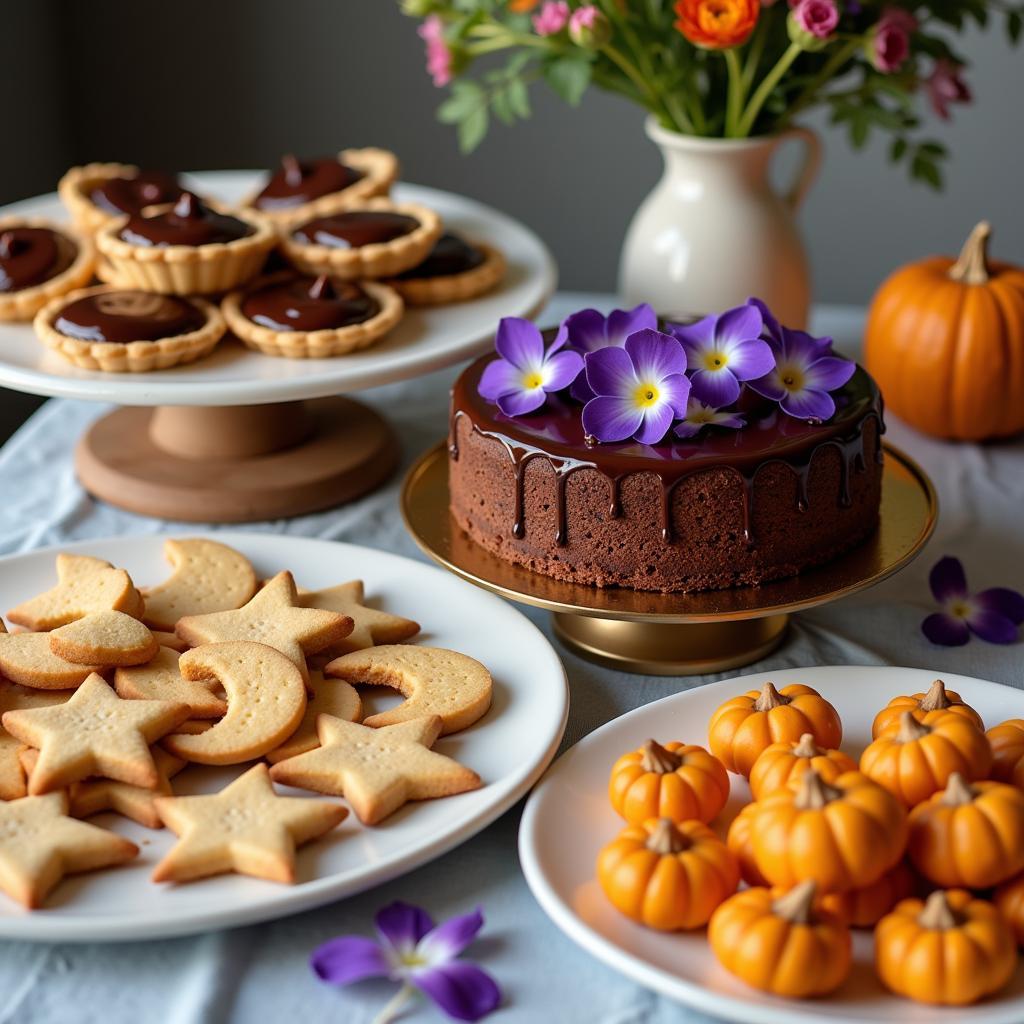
pixel 127 331
pixel 185 248
pixel 726 508
pixel 300 317
pixel 302 189
pixel 454 271
pixel 39 261
pixel 96 194
pixel 377 238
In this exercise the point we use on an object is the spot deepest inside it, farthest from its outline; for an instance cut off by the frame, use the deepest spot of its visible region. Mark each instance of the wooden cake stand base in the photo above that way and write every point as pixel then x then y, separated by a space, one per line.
pixel 236 464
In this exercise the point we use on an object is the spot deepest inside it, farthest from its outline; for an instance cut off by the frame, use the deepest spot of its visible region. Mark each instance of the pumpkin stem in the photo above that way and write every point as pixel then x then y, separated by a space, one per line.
pixel 665 838
pixel 798 904
pixel 807 747
pixel 770 698
pixel 972 266
pixel 936 699
pixel 958 791
pixel 910 728
pixel 657 758
pixel 937 913
pixel 814 792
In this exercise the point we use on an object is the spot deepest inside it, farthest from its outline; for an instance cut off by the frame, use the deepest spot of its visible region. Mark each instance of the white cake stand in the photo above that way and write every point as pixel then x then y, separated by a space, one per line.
pixel 240 436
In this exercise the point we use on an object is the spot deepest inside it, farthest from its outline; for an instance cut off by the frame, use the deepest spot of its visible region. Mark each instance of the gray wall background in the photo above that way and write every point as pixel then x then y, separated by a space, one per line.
pixel 193 83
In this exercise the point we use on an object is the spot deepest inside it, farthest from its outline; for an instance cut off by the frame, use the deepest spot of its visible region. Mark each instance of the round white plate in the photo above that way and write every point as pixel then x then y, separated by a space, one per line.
pixel 509 747
pixel 425 340
pixel 568 819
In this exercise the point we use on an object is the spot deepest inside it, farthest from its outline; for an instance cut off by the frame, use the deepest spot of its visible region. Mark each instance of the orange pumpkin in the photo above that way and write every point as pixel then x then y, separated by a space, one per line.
pixel 968 836
pixel 677 781
pixel 740 840
pixel 865 907
pixel 952 950
pixel 1007 742
pixel 743 727
pixel 782 942
pixel 945 342
pixel 784 763
pixel 1009 901
pixel 667 876
pixel 915 759
pixel 843 834
pixel 938 698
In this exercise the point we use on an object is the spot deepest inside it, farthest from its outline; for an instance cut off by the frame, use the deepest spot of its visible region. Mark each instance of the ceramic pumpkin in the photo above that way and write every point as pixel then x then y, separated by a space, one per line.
pixel 945 342
pixel 745 726
pixel 938 698
pixel 865 907
pixel 843 834
pixel 667 876
pixel 783 763
pixel 1009 901
pixel 782 942
pixel 676 781
pixel 1007 742
pixel 740 840
pixel 969 835
pixel 915 759
pixel 951 950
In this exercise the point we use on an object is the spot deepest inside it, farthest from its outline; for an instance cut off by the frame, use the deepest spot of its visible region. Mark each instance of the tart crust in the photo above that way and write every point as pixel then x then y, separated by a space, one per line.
pixel 133 356
pixel 448 288
pixel 23 304
pixel 379 168
pixel 376 260
pixel 337 341
pixel 74 189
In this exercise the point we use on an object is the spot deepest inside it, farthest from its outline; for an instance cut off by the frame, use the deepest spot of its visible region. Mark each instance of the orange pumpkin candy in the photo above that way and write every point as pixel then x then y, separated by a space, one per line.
pixel 1007 742
pixel 782 764
pixel 938 698
pixel 743 727
pixel 740 840
pixel 945 342
pixel 865 907
pixel 676 781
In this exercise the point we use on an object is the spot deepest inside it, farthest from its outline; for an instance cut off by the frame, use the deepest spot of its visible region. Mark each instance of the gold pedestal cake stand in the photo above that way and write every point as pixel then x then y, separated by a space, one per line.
pixel 675 634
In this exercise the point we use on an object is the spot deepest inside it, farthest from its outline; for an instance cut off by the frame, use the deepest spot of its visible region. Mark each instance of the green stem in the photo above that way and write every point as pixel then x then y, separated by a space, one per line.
pixel 764 90
pixel 505 42
pixel 653 103
pixel 754 54
pixel 827 72
pixel 734 100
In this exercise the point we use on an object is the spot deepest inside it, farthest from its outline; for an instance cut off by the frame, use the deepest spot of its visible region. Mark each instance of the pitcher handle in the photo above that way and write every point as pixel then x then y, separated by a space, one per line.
pixel 808 171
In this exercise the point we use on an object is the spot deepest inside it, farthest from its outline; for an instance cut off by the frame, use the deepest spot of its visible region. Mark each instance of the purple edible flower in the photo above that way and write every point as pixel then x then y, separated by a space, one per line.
pixel 590 330
pixel 722 350
pixel 412 950
pixel 698 416
pixel 994 614
pixel 639 389
pixel 520 380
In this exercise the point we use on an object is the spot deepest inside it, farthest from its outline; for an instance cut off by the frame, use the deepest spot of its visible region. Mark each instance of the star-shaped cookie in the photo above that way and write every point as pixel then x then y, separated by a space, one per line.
pixel 246 828
pixel 12 774
pixel 161 679
pixel 94 733
pixel 377 770
pixel 273 617
pixel 325 697
pixel 40 844
pixel 370 626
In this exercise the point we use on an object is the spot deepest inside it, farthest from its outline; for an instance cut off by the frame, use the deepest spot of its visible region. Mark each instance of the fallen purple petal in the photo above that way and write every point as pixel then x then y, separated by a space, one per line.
pixel 946 630
pixel 403 925
pixel 947 580
pixel 462 990
pixel 349 958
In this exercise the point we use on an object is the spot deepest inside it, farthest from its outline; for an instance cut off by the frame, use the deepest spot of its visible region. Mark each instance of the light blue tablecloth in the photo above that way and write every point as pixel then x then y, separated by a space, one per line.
pixel 259 973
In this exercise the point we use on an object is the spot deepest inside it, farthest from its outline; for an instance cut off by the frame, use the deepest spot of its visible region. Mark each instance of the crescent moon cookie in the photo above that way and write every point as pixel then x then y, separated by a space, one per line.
pixel 12 773
pixel 325 697
pixel 266 697
pixel 104 638
pixel 370 626
pixel 26 658
pixel 433 680
pixel 161 679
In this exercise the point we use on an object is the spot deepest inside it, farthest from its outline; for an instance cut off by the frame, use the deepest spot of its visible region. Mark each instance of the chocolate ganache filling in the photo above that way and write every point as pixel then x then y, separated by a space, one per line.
pixel 299 182
pixel 355 228
pixel 188 222
pixel 130 195
pixel 305 304
pixel 30 256
pixel 451 255
pixel 125 316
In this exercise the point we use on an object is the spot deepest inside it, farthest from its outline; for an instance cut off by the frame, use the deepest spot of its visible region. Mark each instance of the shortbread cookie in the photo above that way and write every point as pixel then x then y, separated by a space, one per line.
pixel 207 577
pixel 171 640
pixel 104 638
pixel 40 844
pixel 12 773
pixel 94 733
pixel 84 585
pixel 160 679
pixel 377 770
pixel 26 658
pixel 433 681
pixel 274 618
pixel 246 828
pixel 370 626
pixel 266 698
pixel 332 697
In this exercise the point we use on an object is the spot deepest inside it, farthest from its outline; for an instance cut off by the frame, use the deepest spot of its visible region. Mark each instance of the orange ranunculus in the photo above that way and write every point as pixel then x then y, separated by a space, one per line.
pixel 519 6
pixel 717 24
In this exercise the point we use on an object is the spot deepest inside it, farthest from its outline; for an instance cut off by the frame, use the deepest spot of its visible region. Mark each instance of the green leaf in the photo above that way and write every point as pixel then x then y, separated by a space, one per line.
pixel 472 129
pixel 898 149
pixel 923 169
pixel 501 106
pixel 465 97
pixel 1014 26
pixel 519 98
pixel 569 77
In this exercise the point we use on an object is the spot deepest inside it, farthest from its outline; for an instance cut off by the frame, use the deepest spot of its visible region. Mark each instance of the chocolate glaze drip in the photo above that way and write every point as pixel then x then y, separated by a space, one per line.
pixel 30 256
pixel 450 255
pixel 188 222
pixel 354 228
pixel 130 195
pixel 301 181
pixel 308 304
pixel 125 316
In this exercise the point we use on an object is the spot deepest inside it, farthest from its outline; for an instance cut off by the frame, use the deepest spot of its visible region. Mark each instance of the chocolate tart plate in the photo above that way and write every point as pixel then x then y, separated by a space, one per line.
pixel 675 634
pixel 239 436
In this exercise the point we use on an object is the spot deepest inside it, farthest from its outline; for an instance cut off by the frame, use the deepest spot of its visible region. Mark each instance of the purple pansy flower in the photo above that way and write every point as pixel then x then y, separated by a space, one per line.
pixel 699 415
pixel 520 380
pixel 994 614
pixel 640 388
pixel 722 350
pixel 590 330
pixel 411 949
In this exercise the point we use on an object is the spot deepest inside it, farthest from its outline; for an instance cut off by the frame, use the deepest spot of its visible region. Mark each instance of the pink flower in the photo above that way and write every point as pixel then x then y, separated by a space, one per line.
pixel 889 45
pixel 439 57
pixel 589 28
pixel 551 18
pixel 946 86
pixel 817 17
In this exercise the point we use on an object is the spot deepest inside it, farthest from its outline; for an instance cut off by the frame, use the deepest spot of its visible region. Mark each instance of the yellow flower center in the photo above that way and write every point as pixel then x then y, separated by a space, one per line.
pixel 792 378
pixel 960 609
pixel 700 416
pixel 715 361
pixel 646 395
pixel 532 380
